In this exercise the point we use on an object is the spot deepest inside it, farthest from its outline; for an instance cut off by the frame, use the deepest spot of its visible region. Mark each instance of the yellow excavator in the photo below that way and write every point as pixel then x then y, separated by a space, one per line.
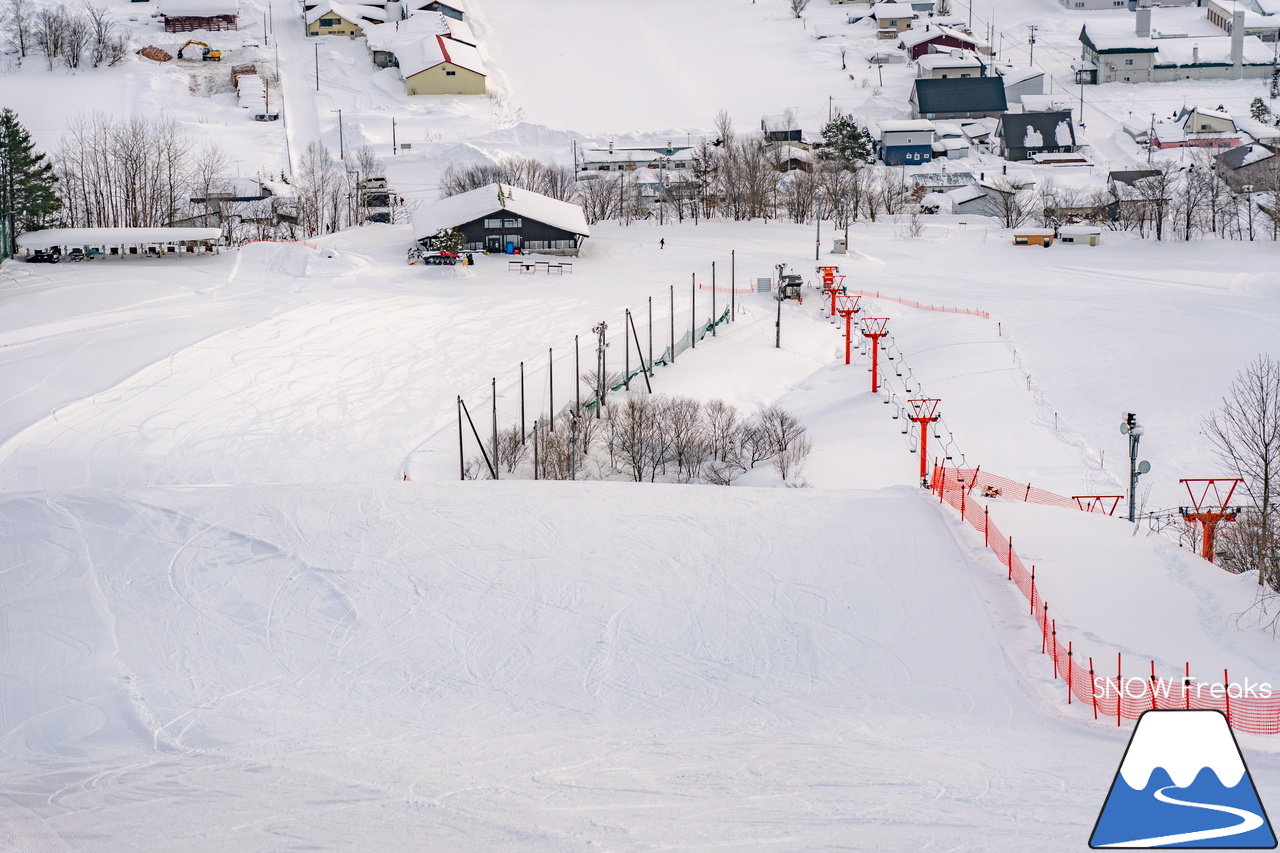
pixel 208 54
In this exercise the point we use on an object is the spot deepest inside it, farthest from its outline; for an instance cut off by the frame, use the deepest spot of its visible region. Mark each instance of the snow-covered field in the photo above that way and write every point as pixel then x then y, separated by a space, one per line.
pixel 227 622
pixel 230 625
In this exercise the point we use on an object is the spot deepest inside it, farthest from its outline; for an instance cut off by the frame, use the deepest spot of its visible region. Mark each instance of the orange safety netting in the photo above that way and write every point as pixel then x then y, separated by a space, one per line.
pixel 913 304
pixel 1111 692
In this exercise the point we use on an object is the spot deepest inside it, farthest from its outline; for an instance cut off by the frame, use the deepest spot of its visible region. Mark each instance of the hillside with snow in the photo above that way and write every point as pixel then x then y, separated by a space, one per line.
pixel 246 603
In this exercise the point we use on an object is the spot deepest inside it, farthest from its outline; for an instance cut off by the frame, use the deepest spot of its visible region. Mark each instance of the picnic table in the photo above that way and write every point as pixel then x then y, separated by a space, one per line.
pixel 536 266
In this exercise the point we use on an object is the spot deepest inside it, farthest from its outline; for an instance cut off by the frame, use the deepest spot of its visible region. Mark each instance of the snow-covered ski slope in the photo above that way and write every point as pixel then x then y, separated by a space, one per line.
pixel 516 666
pixel 229 624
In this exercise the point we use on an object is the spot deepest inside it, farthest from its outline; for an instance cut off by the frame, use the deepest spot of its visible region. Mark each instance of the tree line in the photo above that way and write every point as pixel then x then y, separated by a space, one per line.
pixel 647 438
pixel 76 36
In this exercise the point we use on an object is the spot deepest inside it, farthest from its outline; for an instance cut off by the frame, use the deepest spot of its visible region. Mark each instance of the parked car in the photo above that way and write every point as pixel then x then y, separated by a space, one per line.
pixel 41 257
pixel 76 255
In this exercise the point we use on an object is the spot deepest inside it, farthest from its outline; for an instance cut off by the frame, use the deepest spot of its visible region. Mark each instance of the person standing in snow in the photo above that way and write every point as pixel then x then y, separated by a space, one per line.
pixel 662 242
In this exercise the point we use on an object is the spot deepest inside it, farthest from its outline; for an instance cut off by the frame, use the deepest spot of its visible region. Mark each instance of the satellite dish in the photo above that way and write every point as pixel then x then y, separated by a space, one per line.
pixel 1144 466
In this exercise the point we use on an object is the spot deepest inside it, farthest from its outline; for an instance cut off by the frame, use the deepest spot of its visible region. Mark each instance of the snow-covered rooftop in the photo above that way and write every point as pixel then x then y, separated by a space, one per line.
pixel 353 12
pixel 881 11
pixel 421 42
pixel 197 8
pixel 50 237
pixel 459 30
pixel 466 207
pixel 969 192
pixel 1012 76
pixel 1215 50
pixel 905 125
pixel 911 38
pixel 949 59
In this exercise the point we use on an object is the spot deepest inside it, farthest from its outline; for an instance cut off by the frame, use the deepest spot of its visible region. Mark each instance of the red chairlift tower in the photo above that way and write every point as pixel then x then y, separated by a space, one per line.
pixel 924 411
pixel 874 328
pixel 847 306
pixel 1098 503
pixel 1210 513
pixel 832 284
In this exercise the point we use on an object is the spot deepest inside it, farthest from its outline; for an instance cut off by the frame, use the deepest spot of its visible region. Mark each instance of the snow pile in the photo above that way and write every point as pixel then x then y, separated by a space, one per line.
pixel 1033 139
pixel 1062 134
pixel 251 91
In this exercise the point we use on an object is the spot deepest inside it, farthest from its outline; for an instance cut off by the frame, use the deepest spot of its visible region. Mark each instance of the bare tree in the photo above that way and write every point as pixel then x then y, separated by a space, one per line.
pixel 49 33
pixel 599 197
pixel 78 35
pixel 128 172
pixel 635 437
pixel 17 21
pixel 558 182
pixel 786 437
pixel 319 189
pixel 682 421
pixel 724 128
pixel 512 449
pixel 798 6
pixel 1012 200
pixel 1245 433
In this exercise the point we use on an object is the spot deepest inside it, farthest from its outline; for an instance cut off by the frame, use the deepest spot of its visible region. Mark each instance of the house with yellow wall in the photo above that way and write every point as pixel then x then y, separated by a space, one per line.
pixel 342 19
pixel 430 61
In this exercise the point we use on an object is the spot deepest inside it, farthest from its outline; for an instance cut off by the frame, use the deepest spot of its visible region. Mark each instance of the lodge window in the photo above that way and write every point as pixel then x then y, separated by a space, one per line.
pixel 450 73
pixel 493 223
pixel 330 22
pixel 1128 62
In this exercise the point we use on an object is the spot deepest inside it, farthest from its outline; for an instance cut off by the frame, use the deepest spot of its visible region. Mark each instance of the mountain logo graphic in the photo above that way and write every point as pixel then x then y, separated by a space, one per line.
pixel 1183 783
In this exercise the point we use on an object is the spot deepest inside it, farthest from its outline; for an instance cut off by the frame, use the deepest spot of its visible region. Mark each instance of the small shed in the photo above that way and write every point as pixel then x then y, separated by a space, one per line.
pixel 1081 235
pixel 1033 237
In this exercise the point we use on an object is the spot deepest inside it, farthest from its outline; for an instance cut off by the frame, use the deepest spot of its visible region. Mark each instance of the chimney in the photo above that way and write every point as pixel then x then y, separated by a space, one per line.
pixel 1143 28
pixel 1237 43
pixel 1195 54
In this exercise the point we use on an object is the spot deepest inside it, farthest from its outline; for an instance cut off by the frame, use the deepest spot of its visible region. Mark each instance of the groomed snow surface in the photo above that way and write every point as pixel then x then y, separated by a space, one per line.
pixel 229 624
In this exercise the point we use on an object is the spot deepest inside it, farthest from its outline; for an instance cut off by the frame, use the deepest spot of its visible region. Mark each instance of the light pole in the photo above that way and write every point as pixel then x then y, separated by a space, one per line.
pixel 317 47
pixel 1129 426
pixel 342 147
pixel 1248 195
pixel 817 246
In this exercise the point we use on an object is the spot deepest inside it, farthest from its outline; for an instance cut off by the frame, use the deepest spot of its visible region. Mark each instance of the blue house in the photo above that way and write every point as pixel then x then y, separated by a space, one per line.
pixel 906 143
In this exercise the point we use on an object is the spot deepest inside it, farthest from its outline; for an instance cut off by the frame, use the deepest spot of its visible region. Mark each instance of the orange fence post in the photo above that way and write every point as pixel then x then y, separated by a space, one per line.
pixel 1186 685
pixel 986 526
pixel 1070 672
pixel 1119 687
pixel 1226 691
pixel 1044 629
pixel 1153 685
pixel 1055 648
pixel 1093 689
pixel 1033 590
pixel 1009 558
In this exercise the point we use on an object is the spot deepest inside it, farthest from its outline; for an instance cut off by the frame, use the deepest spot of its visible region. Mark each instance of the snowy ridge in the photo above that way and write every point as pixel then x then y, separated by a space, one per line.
pixel 1183 744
